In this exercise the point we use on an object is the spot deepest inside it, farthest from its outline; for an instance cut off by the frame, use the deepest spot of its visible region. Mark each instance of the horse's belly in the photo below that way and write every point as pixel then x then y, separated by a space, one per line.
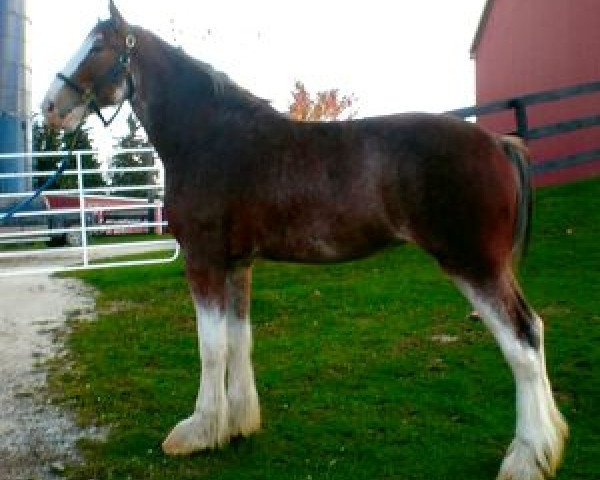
pixel 326 245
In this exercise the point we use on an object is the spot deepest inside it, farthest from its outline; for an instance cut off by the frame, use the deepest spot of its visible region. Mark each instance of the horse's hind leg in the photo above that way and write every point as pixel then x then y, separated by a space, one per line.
pixel 540 431
pixel 244 410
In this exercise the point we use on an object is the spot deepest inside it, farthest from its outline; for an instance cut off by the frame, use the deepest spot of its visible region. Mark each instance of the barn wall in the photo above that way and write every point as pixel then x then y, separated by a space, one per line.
pixel 533 45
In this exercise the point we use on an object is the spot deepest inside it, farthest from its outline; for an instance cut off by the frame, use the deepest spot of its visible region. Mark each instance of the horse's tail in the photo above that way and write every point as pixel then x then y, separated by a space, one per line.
pixel 518 153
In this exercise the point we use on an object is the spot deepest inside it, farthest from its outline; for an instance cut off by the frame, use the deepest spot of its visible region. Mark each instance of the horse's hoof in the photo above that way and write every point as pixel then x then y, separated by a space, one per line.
pixel 524 462
pixel 196 433
pixel 520 464
pixel 244 415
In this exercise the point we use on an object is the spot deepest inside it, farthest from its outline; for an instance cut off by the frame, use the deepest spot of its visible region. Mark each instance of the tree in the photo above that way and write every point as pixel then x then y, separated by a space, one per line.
pixel 324 105
pixel 81 141
pixel 44 138
pixel 48 140
pixel 134 139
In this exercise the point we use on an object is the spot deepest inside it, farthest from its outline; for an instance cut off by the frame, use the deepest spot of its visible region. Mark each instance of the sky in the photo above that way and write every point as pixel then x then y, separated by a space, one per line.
pixel 393 55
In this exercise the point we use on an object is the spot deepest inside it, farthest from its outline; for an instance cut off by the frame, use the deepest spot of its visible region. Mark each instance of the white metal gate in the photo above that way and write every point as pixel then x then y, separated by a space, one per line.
pixel 82 227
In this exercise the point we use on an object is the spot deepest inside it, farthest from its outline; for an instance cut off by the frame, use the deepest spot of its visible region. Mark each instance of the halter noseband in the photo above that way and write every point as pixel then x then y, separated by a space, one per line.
pixel 88 96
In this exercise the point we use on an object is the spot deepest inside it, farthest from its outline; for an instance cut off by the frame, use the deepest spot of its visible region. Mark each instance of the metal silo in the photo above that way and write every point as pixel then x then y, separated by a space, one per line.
pixel 15 92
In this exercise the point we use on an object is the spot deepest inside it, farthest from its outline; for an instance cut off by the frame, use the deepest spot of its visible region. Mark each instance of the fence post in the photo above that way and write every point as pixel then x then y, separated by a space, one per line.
pixel 520 108
pixel 150 213
pixel 82 219
pixel 158 217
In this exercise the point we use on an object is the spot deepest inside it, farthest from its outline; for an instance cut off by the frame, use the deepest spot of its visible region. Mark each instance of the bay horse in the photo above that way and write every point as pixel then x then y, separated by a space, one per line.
pixel 244 181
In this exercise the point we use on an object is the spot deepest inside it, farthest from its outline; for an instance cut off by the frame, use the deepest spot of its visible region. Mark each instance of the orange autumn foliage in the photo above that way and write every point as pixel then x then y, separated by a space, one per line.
pixel 324 105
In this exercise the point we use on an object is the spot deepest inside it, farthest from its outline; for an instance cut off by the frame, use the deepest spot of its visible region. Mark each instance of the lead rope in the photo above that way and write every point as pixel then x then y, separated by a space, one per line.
pixel 90 103
pixel 23 204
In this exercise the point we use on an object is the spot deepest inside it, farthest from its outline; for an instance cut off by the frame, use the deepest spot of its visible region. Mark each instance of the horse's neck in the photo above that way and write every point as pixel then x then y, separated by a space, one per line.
pixel 151 67
pixel 175 94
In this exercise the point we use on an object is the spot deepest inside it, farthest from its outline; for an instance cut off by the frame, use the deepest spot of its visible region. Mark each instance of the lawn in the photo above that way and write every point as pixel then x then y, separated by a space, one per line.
pixel 354 379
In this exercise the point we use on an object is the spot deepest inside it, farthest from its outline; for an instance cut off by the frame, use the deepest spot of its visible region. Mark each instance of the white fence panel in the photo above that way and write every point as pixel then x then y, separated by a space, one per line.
pixel 82 227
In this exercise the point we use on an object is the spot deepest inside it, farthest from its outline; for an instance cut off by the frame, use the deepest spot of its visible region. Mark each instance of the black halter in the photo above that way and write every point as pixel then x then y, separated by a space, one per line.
pixel 88 96
pixel 120 67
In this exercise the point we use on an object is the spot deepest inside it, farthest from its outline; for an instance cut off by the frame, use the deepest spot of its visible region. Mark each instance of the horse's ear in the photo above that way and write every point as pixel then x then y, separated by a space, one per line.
pixel 117 18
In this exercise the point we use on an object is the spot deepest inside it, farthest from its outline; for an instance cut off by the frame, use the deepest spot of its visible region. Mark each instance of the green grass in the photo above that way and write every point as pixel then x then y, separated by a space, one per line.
pixel 128 237
pixel 35 244
pixel 351 382
pixel 20 245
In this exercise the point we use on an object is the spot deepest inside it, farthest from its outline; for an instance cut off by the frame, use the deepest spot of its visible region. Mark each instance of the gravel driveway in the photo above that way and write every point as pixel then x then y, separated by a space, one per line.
pixel 36 438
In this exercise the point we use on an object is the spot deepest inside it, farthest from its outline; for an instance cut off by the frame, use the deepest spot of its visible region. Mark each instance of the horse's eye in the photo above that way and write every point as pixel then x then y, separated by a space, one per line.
pixel 96 49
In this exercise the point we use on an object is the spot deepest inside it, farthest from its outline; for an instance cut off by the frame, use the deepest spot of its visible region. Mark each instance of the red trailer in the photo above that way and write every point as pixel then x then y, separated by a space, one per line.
pixel 114 214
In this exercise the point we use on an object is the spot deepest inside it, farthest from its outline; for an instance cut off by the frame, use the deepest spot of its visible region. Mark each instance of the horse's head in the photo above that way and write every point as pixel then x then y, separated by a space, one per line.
pixel 97 75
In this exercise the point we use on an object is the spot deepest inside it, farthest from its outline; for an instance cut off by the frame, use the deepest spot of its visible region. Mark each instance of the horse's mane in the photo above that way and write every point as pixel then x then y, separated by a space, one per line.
pixel 220 87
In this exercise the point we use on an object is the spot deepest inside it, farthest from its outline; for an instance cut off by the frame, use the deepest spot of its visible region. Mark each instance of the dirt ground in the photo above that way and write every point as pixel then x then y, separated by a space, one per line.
pixel 36 438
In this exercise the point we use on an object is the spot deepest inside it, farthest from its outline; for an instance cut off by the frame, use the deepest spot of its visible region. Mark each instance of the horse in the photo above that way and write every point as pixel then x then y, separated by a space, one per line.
pixel 244 181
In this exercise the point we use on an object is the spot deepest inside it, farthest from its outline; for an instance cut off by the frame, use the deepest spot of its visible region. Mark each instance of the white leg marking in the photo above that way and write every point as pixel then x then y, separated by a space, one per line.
pixel 536 451
pixel 244 409
pixel 208 426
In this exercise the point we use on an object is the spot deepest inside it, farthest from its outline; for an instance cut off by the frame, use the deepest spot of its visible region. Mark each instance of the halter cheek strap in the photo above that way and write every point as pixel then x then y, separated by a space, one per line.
pixel 88 96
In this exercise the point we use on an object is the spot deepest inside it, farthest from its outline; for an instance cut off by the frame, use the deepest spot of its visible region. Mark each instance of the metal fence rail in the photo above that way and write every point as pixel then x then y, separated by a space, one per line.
pixel 20 238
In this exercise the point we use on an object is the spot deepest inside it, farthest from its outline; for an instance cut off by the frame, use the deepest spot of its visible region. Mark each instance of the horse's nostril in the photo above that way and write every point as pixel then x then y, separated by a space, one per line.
pixel 50 107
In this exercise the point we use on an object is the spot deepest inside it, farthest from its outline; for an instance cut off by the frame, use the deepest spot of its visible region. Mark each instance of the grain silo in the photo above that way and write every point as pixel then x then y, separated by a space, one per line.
pixel 15 92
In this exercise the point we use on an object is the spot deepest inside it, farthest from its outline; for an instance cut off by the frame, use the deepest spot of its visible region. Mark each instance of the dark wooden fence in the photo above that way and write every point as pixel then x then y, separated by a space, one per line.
pixel 519 106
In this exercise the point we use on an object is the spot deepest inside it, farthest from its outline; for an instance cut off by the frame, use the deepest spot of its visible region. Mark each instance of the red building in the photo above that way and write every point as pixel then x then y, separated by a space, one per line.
pixel 525 46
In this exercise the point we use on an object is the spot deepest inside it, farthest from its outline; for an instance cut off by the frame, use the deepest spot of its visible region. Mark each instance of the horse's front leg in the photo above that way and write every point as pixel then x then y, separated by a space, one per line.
pixel 244 410
pixel 208 427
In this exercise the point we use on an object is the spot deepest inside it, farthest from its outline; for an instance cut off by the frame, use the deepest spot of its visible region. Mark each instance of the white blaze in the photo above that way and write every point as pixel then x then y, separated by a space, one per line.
pixel 69 69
